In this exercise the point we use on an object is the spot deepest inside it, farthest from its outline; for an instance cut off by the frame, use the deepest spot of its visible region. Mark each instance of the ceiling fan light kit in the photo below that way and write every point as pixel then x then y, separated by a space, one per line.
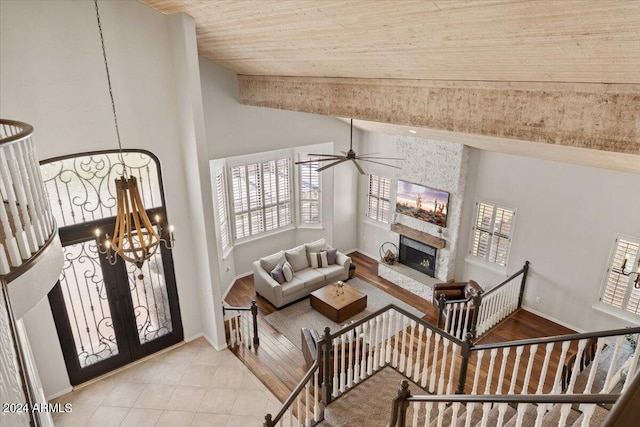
pixel 348 156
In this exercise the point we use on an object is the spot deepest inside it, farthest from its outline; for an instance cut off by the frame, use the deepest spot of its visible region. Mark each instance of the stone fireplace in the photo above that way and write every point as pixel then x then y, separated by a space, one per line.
pixel 419 256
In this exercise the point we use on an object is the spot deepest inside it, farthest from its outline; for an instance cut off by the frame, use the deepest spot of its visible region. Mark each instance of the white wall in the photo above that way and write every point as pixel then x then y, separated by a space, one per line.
pixel 567 218
pixel 52 76
pixel 234 129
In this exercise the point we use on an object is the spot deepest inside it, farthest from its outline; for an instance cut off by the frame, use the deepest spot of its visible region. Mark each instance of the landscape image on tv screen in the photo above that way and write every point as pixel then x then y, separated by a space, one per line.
pixel 423 203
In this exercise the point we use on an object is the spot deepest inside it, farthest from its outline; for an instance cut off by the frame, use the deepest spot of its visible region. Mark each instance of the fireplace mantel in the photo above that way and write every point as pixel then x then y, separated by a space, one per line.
pixel 420 236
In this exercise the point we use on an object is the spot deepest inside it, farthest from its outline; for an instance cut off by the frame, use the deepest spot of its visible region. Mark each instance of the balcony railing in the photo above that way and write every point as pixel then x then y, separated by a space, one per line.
pixel 26 223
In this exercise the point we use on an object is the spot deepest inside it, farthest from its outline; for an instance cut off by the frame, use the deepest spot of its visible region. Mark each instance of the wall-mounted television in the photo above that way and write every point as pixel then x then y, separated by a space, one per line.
pixel 422 202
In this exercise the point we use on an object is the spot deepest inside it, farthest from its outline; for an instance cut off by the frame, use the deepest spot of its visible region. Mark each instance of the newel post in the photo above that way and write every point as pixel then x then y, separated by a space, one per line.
pixel 441 302
pixel 465 352
pixel 268 421
pixel 399 406
pixel 477 302
pixel 254 314
pixel 325 346
pixel 525 271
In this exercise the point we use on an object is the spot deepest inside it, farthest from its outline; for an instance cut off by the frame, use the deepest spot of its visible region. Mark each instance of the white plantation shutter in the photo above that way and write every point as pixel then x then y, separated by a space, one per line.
pixel 223 215
pixel 378 198
pixel 618 289
pixel 261 197
pixel 492 233
pixel 309 193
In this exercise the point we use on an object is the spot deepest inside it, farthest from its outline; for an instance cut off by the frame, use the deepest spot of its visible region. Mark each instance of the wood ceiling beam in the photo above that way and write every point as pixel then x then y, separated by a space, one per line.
pixel 581 115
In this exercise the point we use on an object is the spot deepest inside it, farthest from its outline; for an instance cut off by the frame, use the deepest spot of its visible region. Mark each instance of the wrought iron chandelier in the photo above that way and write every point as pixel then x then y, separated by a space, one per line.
pixel 135 239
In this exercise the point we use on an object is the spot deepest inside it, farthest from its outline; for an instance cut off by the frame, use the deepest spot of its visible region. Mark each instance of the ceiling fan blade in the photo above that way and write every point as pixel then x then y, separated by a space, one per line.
pixel 379 158
pixel 318 160
pixel 380 163
pixel 324 155
pixel 331 164
pixel 358 166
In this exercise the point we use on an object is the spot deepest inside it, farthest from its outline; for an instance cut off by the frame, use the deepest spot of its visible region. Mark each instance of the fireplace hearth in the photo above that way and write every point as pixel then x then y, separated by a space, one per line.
pixel 418 256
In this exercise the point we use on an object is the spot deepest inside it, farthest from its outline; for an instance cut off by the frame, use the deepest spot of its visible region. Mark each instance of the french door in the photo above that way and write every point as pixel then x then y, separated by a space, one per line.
pixel 108 315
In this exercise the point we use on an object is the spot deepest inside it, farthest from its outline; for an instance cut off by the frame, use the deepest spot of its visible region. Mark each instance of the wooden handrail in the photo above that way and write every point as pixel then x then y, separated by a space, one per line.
pixel 507 280
pixel 557 338
pixel 518 398
pixel 26 131
pixel 270 421
pixel 626 411
pixel 25 266
pixel 401 311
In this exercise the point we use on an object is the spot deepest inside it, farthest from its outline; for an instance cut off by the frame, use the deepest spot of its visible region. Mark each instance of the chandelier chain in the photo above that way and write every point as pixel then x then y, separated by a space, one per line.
pixel 113 103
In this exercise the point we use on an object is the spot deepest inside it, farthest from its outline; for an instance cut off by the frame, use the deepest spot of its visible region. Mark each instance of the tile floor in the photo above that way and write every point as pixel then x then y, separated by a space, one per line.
pixel 192 385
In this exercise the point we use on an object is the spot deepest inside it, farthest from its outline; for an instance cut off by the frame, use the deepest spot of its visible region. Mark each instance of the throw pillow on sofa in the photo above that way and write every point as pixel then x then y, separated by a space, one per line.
pixel 270 262
pixel 287 270
pixel 297 257
pixel 278 274
pixel 318 259
pixel 332 256
pixel 317 246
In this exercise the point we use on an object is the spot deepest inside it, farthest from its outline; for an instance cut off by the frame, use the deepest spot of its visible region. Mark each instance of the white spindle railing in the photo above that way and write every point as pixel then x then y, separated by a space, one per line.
pixel 26 223
pixel 241 325
pixel 390 337
pixel 497 305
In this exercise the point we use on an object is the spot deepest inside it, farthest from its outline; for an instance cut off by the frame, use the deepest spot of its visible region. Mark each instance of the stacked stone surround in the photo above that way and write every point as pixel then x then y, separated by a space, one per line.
pixel 443 166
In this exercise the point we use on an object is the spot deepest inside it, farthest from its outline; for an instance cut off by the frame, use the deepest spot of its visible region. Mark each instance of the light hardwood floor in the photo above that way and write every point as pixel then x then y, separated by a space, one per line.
pixel 280 365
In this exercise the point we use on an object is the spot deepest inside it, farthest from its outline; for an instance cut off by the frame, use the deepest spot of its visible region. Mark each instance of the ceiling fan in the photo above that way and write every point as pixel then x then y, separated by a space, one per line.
pixel 349 155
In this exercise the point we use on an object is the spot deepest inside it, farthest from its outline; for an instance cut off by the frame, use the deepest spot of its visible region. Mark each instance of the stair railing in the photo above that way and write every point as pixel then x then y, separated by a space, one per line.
pixel 426 409
pixel 479 314
pixel 390 336
pixel 613 355
pixel 304 406
pixel 241 323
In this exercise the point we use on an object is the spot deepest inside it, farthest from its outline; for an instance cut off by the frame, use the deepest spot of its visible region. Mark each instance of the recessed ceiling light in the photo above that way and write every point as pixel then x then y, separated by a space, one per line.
pixel 412 131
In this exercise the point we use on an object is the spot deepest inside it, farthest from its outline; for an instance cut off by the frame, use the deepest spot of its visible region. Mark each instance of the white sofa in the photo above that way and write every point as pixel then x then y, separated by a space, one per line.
pixel 305 279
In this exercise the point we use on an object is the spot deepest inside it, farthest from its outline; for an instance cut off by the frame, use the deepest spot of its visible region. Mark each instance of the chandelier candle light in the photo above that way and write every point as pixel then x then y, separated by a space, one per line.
pixel 135 239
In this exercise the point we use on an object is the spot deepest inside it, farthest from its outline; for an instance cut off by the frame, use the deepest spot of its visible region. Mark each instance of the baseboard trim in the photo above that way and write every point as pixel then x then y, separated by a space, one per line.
pixel 233 281
pixel 375 257
pixel 559 322
pixel 60 393
pixel 206 337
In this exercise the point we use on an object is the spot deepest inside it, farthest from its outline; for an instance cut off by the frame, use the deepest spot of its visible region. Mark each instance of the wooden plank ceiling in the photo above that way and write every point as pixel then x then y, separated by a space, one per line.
pixel 592 47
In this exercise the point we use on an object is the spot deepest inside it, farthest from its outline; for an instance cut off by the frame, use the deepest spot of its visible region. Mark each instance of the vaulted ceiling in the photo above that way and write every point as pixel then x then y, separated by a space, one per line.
pixel 555 73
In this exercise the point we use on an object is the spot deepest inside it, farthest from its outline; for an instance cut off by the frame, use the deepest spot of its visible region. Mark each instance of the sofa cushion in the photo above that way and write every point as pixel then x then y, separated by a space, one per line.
pixel 332 272
pixel 317 246
pixel 287 271
pixel 318 259
pixel 297 257
pixel 278 274
pixel 294 286
pixel 310 277
pixel 332 256
pixel 270 262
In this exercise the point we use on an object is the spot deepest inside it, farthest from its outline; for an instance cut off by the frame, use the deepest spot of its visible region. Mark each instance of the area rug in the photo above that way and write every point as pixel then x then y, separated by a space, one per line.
pixel 290 319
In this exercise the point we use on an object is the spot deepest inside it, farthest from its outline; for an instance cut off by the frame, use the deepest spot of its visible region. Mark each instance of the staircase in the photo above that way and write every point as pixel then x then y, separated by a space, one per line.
pixel 526 382
pixel 362 406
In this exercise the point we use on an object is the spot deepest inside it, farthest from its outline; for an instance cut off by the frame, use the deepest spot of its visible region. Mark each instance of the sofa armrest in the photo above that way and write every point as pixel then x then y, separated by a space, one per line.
pixel 265 284
pixel 344 261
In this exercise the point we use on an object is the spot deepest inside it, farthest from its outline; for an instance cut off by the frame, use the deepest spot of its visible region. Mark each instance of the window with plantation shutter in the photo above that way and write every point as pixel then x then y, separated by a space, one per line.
pixel 309 193
pixel 261 197
pixel 618 290
pixel 492 232
pixel 223 215
pixel 378 198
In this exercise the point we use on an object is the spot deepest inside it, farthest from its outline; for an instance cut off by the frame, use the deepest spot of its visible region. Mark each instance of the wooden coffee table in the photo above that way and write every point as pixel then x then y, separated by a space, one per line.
pixel 338 307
